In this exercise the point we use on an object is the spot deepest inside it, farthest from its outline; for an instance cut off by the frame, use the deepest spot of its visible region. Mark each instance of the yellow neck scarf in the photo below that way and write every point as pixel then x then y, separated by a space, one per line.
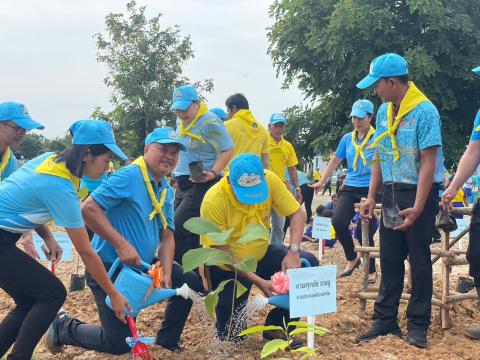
pixel 250 211
pixel 157 205
pixel 186 131
pixel 5 158
pixel 412 98
pixel 50 167
pixel 359 148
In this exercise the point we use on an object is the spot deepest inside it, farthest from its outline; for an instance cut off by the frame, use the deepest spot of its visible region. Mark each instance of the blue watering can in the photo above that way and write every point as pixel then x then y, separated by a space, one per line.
pixel 280 301
pixel 133 284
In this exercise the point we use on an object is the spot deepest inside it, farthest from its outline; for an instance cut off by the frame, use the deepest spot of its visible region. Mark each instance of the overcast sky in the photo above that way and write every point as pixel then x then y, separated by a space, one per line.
pixel 48 57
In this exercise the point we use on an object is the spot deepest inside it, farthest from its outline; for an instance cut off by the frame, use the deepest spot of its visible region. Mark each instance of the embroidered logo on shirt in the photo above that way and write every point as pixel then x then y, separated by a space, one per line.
pixel 249 180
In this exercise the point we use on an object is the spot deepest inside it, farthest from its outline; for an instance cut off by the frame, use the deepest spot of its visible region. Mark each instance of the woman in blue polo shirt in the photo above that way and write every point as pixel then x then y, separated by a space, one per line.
pixel 44 189
pixel 354 148
pixel 206 140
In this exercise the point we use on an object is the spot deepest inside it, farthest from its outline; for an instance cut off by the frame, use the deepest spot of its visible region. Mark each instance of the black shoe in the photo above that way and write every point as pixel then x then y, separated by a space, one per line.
pixel 377 330
pixel 417 337
pixel 175 349
pixel 52 341
pixel 349 272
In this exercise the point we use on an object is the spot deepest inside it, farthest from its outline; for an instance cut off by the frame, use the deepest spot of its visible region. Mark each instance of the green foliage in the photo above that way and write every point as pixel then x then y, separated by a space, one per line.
pixel 273 346
pixel 200 226
pixel 194 258
pixel 327 46
pixel 33 145
pixel 253 232
pixel 212 299
pixel 247 264
pixel 145 65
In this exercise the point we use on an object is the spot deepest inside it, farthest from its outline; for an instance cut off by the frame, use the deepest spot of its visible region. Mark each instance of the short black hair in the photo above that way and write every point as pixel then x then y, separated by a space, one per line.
pixel 319 209
pixel 74 155
pixel 326 213
pixel 238 100
pixel 402 78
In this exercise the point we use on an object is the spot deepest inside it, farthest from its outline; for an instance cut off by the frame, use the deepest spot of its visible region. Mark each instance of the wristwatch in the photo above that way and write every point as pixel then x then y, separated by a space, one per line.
pixel 294 248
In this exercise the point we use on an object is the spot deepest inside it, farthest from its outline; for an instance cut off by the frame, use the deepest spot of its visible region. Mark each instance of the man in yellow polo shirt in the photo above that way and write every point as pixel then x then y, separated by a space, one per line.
pixel 282 156
pixel 247 196
pixel 248 135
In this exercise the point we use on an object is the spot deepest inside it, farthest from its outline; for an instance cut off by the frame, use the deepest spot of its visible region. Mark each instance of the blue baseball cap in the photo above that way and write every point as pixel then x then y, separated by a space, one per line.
pixel 18 113
pixel 247 178
pixel 183 96
pixel 220 113
pixel 476 70
pixel 361 108
pixel 278 118
pixel 386 65
pixel 92 132
pixel 164 135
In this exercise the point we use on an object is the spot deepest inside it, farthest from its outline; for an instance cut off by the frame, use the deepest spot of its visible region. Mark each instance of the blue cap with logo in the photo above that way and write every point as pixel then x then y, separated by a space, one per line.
pixel 476 70
pixel 222 115
pixel 183 97
pixel 93 132
pixel 362 108
pixel 164 135
pixel 386 65
pixel 18 113
pixel 247 178
pixel 278 118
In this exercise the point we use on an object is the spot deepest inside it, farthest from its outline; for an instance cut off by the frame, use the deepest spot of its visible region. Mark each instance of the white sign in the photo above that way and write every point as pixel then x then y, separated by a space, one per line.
pixel 322 228
pixel 462 225
pixel 62 239
pixel 313 290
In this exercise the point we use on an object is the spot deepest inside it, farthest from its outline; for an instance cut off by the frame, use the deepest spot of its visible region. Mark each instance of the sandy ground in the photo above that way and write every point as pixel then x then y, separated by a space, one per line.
pixel 344 325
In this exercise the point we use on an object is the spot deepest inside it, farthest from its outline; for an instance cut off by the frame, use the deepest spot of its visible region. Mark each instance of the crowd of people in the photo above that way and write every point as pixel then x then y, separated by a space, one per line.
pixel 228 168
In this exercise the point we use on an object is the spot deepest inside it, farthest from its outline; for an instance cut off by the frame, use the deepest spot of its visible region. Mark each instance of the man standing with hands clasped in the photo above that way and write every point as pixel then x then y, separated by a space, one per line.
pixel 409 143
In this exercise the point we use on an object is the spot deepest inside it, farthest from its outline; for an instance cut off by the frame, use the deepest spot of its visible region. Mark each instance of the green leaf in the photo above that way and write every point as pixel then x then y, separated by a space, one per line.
pixel 212 299
pixel 258 329
pixel 240 289
pixel 273 346
pixel 220 238
pixel 305 325
pixel 200 226
pixel 249 264
pixel 253 232
pixel 308 330
pixel 192 259
pixel 305 349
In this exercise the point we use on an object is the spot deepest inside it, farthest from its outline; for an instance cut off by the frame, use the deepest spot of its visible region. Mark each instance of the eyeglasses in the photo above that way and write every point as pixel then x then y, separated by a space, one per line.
pixel 19 130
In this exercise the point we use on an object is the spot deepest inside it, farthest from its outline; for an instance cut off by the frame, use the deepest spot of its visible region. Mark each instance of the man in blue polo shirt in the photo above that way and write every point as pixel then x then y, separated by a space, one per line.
pixel 409 142
pixel 131 214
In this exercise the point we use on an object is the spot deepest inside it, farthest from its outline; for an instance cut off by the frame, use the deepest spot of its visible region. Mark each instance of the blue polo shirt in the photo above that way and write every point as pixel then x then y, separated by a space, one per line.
pixel 28 200
pixel 218 139
pixel 346 150
pixel 476 134
pixel 11 166
pixel 127 205
pixel 418 130
pixel 91 184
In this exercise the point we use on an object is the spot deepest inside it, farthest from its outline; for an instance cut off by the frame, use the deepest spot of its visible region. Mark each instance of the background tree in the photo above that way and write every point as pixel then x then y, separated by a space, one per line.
pixel 327 46
pixel 145 64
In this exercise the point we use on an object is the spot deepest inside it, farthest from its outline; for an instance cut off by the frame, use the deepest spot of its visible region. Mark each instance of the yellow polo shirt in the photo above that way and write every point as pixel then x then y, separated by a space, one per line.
pixel 222 208
pixel 282 155
pixel 458 197
pixel 248 135
pixel 317 175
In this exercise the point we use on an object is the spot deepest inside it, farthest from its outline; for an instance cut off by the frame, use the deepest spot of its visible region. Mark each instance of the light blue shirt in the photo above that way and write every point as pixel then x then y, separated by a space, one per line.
pixel 418 130
pixel 12 165
pixel 91 184
pixel 212 129
pixel 28 200
pixel 127 205
pixel 346 150
pixel 476 134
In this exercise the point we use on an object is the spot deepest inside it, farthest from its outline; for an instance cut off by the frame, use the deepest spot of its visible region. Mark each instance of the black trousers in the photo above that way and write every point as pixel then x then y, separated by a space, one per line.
pixel 394 248
pixel 38 296
pixel 266 267
pixel 473 251
pixel 328 186
pixel 188 199
pixel 109 336
pixel 307 196
pixel 342 217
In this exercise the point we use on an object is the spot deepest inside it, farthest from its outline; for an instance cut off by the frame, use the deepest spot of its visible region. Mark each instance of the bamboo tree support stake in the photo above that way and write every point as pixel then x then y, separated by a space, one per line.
pixel 444 312
pixel 366 263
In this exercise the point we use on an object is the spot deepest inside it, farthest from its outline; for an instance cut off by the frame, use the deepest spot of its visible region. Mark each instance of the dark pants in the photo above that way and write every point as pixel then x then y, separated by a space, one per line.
pixel 473 251
pixel 266 267
pixel 109 336
pixel 328 186
pixel 394 248
pixel 344 212
pixel 188 199
pixel 38 296
pixel 307 198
